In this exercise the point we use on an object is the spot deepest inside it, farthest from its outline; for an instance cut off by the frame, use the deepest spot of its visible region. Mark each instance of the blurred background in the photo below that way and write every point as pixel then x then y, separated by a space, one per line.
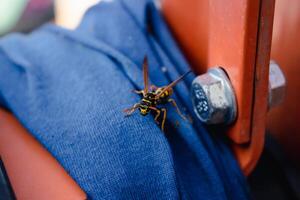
pixel 25 15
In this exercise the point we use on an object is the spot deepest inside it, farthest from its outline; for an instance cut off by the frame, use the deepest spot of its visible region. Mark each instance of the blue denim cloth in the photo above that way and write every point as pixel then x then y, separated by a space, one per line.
pixel 69 88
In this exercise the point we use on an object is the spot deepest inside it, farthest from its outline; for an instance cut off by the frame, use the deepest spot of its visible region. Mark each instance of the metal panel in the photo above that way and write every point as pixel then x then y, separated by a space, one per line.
pixel 225 33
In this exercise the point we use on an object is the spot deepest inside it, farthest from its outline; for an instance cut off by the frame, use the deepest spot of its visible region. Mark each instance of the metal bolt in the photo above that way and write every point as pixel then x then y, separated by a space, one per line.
pixel 277 85
pixel 213 97
pixel 214 100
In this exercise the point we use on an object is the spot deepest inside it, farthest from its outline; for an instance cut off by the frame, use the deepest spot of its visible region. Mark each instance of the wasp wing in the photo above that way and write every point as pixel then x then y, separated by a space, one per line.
pixel 172 84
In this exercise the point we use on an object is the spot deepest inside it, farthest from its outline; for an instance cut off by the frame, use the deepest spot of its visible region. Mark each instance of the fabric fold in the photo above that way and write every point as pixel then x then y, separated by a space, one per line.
pixel 69 88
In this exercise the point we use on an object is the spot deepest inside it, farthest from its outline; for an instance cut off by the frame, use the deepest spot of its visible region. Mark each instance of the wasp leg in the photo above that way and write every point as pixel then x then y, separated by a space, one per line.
pixel 129 111
pixel 177 109
pixel 157 113
pixel 138 91
pixel 164 119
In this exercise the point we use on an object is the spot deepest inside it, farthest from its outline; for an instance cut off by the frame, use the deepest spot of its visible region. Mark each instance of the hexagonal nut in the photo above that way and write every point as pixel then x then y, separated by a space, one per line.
pixel 213 97
pixel 277 85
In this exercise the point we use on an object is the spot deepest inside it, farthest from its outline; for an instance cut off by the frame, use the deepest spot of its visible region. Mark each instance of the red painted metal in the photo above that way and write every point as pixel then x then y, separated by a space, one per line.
pixel 235 35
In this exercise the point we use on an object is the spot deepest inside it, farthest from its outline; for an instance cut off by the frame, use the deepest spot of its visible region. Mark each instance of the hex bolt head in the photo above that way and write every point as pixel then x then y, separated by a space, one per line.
pixel 277 85
pixel 213 97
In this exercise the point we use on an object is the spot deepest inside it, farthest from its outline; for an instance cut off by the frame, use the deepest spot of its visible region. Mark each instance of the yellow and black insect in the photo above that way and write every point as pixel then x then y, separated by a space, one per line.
pixel 154 97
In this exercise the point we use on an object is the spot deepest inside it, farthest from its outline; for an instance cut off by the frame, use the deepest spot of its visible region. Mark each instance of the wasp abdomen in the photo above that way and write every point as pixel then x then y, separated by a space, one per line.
pixel 163 97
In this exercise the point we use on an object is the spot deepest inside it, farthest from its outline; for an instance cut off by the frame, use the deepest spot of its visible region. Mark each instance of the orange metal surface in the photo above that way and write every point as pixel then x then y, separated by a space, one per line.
pixel 33 172
pixel 230 34
pixel 283 121
pixel 249 154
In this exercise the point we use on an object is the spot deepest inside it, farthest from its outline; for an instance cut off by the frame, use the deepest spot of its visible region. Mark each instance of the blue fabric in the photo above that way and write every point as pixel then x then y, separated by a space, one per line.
pixel 68 88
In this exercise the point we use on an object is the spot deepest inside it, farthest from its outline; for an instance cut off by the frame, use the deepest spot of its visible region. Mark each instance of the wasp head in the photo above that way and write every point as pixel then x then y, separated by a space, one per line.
pixel 144 110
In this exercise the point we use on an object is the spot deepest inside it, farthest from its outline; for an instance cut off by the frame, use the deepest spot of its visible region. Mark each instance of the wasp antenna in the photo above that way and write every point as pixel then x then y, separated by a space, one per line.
pixel 145 71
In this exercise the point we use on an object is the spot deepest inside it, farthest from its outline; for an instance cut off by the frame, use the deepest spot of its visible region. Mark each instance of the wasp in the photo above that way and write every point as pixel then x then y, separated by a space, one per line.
pixel 153 98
